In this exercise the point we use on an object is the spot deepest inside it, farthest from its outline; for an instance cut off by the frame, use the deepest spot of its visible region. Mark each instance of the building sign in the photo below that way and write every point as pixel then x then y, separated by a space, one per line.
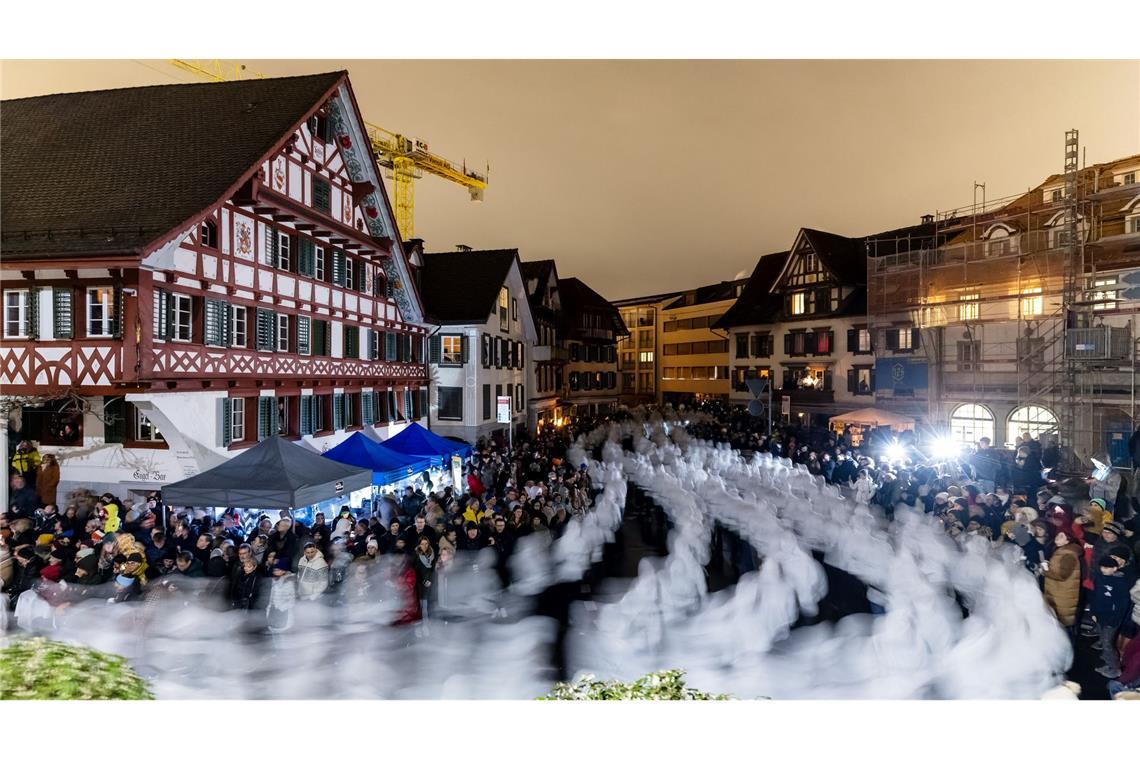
pixel 901 374
pixel 457 473
pixel 503 409
pixel 786 405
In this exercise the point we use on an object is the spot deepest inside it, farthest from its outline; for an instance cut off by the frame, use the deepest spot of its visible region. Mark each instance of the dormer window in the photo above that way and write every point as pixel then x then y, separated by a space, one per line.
pixel 799 303
pixel 1129 178
pixel 999 241
pixel 208 234
pixel 1056 196
pixel 321 195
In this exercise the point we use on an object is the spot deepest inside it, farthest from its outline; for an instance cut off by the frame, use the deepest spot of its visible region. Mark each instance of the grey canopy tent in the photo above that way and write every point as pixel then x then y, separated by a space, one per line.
pixel 275 473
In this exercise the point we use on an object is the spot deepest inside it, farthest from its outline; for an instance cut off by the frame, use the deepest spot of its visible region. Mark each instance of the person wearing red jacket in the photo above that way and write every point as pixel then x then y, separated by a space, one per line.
pixel 474 485
pixel 1129 679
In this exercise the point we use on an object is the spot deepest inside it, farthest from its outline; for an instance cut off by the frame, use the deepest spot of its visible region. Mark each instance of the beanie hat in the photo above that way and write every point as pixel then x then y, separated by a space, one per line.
pixel 84 551
pixel 1099 502
pixel 109 538
pixel 1114 528
pixel 1028 513
pixel 1021 535
pixel 943 495
pixel 44 539
pixel 1057 500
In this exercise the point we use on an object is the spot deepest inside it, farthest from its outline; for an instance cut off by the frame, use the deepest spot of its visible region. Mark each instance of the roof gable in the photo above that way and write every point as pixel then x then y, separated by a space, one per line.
pixel 756 304
pixel 462 287
pixel 843 258
pixel 114 171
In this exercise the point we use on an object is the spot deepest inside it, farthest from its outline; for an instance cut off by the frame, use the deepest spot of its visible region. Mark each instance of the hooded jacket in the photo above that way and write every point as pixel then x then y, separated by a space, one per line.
pixel 1109 603
pixel 1063 583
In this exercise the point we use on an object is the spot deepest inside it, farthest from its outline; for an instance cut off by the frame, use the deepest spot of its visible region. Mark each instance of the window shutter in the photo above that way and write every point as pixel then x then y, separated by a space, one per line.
pixel 408 404
pixel 338 267
pixel 423 396
pixel 485 350
pixel 892 340
pixel 522 356
pixel 305 258
pixel 321 195
pixel 306 415
pixel 373 344
pixel 338 411
pixel 62 312
pixel 852 341
pixel 366 408
pixel 269 249
pixel 115 420
pixel 871 384
pixel 463 349
pixel 851 383
pixel 390 347
pixel 264 417
pixel 117 312
pixel 225 422
pixel 32 314
pixel 788 343
pixel 214 332
pixel 361 280
pixel 168 312
pixel 304 335
pixel 915 339
pixel 435 350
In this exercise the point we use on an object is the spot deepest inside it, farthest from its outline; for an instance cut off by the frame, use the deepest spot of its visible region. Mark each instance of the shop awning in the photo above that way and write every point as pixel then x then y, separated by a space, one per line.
pixel 276 473
pixel 872 417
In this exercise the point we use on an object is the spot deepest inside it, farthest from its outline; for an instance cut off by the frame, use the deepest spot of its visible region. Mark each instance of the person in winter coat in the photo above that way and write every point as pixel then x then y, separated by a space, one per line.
pixel 1109 607
pixel 47 481
pixel 244 592
pixel 283 542
pixel 1129 679
pixel 282 598
pixel 864 488
pixel 23 500
pixel 188 565
pixel 220 560
pixel 312 573
pixel 1063 579
pixel 423 562
pixel 26 462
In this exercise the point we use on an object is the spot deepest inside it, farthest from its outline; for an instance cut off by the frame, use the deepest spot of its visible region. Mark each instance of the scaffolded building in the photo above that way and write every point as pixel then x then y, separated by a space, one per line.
pixel 1023 310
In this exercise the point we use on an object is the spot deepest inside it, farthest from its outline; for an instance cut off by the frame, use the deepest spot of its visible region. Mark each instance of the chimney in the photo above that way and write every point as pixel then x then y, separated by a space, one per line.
pixel 462 247
pixel 928 218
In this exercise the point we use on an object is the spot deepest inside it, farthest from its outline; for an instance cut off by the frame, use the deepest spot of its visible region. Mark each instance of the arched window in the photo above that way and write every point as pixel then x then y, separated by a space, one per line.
pixel 1034 420
pixel 971 422
pixel 999 240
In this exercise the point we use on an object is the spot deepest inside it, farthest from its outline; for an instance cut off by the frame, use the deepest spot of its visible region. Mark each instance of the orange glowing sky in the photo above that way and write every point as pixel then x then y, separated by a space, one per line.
pixel 649 176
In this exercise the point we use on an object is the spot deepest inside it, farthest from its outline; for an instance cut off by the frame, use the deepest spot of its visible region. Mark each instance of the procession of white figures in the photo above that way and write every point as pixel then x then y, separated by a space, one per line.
pixel 738 641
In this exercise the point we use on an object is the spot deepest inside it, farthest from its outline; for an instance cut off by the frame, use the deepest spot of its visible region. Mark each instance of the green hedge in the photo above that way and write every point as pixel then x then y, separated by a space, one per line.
pixel 44 669
pixel 663 685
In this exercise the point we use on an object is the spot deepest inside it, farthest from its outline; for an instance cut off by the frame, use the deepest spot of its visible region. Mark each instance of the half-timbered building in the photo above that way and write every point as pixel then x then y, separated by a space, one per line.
pixel 187 269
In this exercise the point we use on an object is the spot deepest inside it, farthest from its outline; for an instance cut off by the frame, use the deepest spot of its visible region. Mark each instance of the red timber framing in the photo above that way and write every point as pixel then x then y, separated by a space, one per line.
pixel 230 263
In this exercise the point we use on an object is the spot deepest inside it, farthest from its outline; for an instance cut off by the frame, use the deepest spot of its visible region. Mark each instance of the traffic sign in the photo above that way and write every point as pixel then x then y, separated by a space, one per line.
pixel 503 409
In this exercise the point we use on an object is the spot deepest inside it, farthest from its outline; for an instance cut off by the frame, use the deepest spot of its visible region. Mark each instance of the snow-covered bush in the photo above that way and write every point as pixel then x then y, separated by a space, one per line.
pixel 663 685
pixel 44 669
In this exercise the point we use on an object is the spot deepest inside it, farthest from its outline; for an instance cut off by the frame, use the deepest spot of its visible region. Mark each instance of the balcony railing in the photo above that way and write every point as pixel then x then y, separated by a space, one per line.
pixel 808 395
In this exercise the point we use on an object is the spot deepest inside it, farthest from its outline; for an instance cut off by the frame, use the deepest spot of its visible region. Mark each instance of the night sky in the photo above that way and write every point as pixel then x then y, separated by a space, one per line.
pixel 648 176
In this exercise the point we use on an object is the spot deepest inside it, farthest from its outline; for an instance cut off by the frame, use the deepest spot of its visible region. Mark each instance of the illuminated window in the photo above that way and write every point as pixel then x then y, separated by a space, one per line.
pixel 452 346
pixel 1034 420
pixel 906 339
pixel 1032 303
pixel 969 311
pixel 101 312
pixel 646 357
pixel 970 422
pixel 864 346
pixel 504 304
pixel 799 303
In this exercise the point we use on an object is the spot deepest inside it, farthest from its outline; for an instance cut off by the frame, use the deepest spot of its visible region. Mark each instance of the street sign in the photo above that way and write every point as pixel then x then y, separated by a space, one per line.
pixel 339 486
pixel 756 408
pixel 786 406
pixel 1131 294
pixel 757 386
pixel 503 409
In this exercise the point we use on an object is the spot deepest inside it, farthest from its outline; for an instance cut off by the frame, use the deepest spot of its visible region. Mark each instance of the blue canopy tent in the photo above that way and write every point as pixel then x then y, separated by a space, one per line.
pixel 387 465
pixel 415 440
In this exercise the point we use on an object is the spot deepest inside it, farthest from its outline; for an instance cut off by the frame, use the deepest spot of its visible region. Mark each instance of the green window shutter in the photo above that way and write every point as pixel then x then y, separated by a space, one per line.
pixel 351 342
pixel 115 420
pixel 321 195
pixel 408 405
pixel 338 411
pixel 63 312
pixel 435 350
pixel 306 415
pixel 117 312
pixel 304 346
pixel 269 249
pixel 305 257
pixel 366 408
pixel 265 325
pixel 373 344
pixel 264 417
pixel 338 267
pixel 215 323
pixel 361 280
pixel 225 421
pixel 32 314
pixel 390 347
pixel 392 415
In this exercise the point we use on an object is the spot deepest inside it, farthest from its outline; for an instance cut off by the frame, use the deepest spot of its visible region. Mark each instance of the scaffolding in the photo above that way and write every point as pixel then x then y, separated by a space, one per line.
pixel 1006 289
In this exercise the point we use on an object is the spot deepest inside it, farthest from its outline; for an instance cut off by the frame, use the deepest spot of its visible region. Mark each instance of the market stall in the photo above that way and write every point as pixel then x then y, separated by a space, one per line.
pixel 864 420
pixel 388 466
pixel 274 474
pixel 416 440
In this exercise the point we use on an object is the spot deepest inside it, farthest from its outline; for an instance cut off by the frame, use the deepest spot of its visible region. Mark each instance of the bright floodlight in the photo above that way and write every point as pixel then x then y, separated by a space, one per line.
pixel 945 448
pixel 895 452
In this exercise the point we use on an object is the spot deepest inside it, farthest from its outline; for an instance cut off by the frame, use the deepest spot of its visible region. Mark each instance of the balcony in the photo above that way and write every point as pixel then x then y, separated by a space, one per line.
pixel 550 354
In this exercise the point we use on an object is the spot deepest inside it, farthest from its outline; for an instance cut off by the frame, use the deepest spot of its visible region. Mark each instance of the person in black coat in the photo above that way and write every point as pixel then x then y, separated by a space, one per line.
pixel 503 543
pixel 386 540
pixel 246 586
pixel 472 539
pixel 419 529
pixel 27 573
pixel 283 542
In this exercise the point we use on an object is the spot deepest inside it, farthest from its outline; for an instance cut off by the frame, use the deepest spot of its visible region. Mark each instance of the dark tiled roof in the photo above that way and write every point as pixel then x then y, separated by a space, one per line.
pixel 639 300
pixel 721 291
pixel 755 304
pixel 462 287
pixel 845 257
pixel 140 160
pixel 535 270
pixel 576 296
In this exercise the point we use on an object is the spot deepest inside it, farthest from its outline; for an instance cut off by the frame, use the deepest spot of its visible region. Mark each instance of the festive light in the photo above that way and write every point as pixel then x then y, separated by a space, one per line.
pixel 945 448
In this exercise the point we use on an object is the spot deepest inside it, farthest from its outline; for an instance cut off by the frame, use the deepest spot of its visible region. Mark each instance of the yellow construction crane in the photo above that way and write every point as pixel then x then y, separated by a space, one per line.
pixel 404 159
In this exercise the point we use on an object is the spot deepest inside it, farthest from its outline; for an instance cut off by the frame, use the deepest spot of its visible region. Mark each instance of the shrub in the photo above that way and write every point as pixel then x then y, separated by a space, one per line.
pixel 663 685
pixel 44 669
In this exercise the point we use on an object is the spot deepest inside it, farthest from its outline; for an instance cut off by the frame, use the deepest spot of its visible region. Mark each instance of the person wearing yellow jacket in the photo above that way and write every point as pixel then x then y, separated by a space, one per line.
pixel 475 512
pixel 26 462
